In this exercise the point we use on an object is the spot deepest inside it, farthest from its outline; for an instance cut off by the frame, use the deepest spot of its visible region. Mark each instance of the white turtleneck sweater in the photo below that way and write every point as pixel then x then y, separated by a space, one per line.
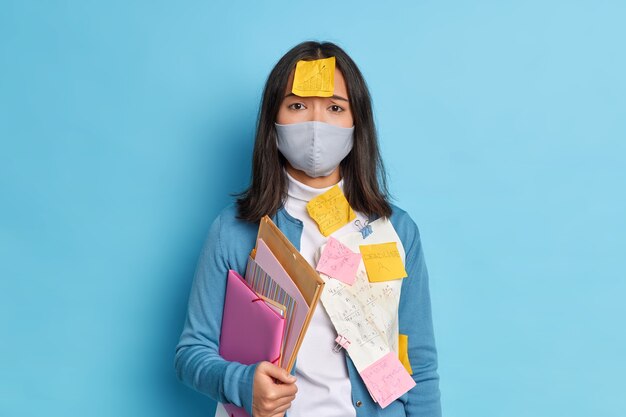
pixel 324 388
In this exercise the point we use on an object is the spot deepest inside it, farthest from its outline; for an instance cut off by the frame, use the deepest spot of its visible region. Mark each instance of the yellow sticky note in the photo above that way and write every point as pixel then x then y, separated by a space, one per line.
pixel 314 78
pixel 330 210
pixel 382 262
pixel 403 352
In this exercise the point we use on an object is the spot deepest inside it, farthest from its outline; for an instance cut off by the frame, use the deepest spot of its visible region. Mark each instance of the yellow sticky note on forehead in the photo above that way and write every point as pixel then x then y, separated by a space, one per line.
pixel 331 211
pixel 314 78
pixel 382 262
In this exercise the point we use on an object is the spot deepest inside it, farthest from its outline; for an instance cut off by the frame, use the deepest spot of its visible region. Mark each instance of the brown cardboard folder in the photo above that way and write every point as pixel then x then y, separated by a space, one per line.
pixel 301 273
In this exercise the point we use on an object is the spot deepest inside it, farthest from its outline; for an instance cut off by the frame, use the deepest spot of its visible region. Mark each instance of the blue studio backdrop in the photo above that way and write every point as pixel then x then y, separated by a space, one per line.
pixel 125 126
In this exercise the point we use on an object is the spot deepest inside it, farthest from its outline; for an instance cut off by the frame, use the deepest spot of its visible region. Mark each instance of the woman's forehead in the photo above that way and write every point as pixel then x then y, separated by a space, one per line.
pixel 340 84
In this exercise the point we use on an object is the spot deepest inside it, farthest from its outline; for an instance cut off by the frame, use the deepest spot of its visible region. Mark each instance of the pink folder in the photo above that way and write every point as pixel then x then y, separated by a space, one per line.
pixel 251 330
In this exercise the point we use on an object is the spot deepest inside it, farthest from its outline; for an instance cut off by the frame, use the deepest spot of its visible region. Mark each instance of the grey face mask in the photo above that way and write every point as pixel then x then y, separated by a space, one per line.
pixel 314 147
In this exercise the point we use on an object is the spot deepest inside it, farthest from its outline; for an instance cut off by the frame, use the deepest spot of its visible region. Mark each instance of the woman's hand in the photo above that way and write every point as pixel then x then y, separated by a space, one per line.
pixel 272 398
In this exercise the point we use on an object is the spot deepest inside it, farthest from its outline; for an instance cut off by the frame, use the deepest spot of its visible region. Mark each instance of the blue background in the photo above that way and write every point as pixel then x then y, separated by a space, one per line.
pixel 124 126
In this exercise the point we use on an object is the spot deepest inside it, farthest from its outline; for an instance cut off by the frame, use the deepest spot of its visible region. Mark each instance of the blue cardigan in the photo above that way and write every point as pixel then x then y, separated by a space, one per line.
pixel 227 246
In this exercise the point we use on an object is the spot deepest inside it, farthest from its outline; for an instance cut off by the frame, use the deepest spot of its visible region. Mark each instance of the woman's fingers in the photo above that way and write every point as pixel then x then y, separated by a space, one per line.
pixel 280 411
pixel 286 390
pixel 273 400
pixel 273 390
pixel 284 401
pixel 276 372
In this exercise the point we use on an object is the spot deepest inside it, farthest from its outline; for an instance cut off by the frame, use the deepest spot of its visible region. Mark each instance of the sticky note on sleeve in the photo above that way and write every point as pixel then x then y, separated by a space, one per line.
pixel 314 78
pixel 403 352
pixel 331 211
pixel 382 262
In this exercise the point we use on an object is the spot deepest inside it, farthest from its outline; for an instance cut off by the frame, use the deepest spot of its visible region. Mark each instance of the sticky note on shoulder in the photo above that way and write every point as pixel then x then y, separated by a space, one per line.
pixel 382 262
pixel 331 211
pixel 314 78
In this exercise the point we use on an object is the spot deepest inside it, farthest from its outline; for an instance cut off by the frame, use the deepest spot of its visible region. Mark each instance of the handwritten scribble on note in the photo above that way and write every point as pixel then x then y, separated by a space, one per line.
pixel 314 78
pixel 382 262
pixel 330 210
pixel 339 262
pixel 387 379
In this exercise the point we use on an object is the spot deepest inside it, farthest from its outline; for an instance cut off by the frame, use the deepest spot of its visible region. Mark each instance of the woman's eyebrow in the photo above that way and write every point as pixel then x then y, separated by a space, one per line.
pixel 336 97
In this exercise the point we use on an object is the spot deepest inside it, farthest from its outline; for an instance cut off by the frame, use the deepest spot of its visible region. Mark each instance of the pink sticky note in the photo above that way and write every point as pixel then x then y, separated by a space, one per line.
pixel 339 262
pixel 387 379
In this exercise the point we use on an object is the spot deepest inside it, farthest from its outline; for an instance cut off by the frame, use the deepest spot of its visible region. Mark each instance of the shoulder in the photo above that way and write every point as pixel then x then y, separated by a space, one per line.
pixel 227 222
pixel 405 226
pixel 235 237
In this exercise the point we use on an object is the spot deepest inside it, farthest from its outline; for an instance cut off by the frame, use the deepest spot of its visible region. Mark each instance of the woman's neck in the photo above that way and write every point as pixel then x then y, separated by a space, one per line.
pixel 319 182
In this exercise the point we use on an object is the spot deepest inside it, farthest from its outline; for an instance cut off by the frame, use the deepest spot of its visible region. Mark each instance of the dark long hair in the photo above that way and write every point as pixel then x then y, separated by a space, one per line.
pixel 364 178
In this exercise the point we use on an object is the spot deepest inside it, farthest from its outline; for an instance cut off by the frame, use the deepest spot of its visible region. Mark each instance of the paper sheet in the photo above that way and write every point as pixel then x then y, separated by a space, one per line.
pixel 339 262
pixel 365 313
pixel 389 290
pixel 330 211
pixel 353 314
pixel 383 262
pixel 277 307
pixel 220 411
pixel 314 78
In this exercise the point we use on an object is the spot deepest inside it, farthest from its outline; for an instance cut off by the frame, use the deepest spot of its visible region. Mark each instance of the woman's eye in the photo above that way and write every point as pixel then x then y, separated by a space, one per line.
pixel 335 108
pixel 296 106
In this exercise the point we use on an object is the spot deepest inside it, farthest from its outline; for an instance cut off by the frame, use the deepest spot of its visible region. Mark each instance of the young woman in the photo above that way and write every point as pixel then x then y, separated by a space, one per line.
pixel 305 146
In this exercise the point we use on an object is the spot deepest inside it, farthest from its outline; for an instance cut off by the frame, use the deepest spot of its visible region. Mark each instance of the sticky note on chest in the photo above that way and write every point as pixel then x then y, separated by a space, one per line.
pixel 330 211
pixel 387 379
pixel 382 262
pixel 314 78
pixel 339 262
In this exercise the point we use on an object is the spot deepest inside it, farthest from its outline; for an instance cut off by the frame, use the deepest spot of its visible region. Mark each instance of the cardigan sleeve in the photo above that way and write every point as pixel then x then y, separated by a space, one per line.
pixel 197 360
pixel 415 321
